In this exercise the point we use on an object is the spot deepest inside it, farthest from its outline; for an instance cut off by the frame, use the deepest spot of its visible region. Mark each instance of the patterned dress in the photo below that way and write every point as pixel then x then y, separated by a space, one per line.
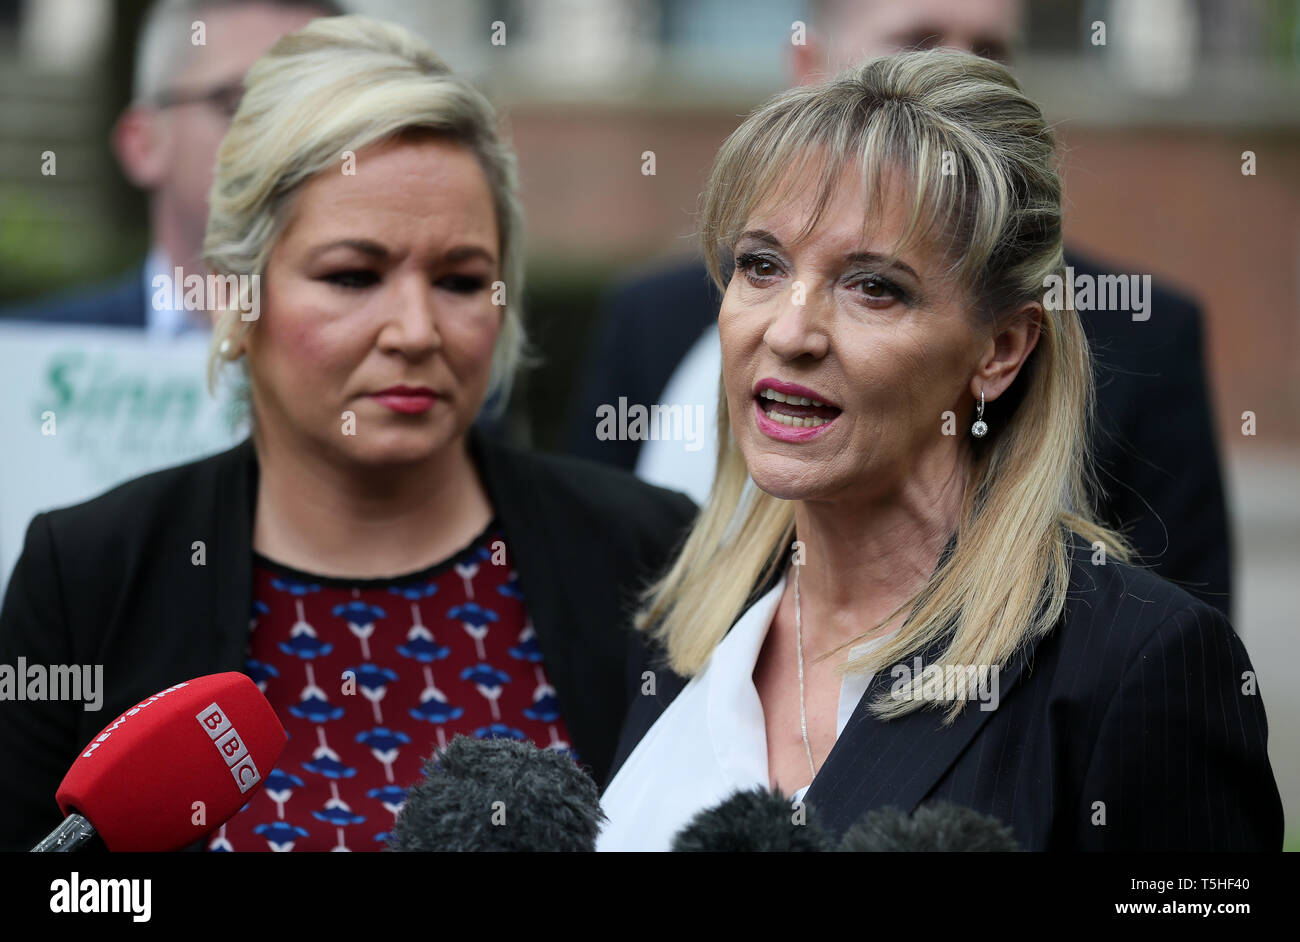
pixel 372 676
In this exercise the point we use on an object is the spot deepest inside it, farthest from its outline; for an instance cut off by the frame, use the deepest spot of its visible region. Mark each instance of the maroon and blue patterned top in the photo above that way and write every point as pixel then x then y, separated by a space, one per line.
pixel 371 676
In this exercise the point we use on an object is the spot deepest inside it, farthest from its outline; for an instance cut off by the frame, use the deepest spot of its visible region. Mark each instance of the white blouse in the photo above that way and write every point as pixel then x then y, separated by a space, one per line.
pixel 710 743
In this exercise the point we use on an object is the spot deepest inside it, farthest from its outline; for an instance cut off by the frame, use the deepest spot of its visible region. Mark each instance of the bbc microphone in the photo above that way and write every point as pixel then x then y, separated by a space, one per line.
pixel 171 769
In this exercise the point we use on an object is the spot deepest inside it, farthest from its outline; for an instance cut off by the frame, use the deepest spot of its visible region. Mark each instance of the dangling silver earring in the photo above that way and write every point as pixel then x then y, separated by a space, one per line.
pixel 980 428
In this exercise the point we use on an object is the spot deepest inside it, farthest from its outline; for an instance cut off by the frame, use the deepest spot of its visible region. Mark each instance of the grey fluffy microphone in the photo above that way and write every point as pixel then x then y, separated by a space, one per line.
pixel 756 820
pixel 499 795
pixel 942 827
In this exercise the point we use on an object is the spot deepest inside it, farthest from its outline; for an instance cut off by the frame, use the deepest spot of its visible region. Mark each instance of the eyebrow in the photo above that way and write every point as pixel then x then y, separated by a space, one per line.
pixel 379 252
pixel 874 258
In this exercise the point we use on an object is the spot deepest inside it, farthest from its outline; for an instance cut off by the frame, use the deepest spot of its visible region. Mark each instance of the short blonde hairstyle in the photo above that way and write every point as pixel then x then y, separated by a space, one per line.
pixel 978 160
pixel 342 84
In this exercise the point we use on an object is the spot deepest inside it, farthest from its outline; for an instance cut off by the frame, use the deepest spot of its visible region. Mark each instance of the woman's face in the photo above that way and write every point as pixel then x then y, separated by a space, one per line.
pixel 886 348
pixel 377 329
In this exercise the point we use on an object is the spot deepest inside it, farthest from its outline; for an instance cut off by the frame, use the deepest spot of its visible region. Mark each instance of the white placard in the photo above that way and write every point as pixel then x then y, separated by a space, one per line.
pixel 86 408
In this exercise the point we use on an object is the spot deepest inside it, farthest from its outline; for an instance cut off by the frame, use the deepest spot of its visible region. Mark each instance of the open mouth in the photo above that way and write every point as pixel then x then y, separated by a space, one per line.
pixel 795 411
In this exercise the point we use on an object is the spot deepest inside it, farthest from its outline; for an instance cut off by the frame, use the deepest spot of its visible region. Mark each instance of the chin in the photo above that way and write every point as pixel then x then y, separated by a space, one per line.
pixel 393 447
pixel 786 478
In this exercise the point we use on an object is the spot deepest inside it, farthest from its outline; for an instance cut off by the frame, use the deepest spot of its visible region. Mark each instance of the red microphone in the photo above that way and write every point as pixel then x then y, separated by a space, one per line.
pixel 171 769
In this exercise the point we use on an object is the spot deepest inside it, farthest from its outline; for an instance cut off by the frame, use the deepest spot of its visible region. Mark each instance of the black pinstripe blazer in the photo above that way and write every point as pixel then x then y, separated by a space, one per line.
pixel 1134 725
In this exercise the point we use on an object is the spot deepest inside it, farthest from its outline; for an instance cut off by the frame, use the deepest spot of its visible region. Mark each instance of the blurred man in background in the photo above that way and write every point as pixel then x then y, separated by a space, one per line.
pixel 187 86
pixel 1155 445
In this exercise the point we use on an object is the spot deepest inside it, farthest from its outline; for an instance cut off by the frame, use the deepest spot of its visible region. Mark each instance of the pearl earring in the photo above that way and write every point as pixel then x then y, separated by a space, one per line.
pixel 980 428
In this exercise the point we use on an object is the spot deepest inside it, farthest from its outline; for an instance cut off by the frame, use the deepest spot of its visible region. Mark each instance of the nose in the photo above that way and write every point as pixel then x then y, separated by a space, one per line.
pixel 411 325
pixel 798 325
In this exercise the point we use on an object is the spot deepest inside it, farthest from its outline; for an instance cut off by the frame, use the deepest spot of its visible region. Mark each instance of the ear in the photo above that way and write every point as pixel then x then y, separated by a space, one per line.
pixel 1006 351
pixel 142 145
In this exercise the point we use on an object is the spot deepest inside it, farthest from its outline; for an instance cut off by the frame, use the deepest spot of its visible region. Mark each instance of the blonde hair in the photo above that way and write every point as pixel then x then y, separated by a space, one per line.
pixel 342 84
pixel 979 160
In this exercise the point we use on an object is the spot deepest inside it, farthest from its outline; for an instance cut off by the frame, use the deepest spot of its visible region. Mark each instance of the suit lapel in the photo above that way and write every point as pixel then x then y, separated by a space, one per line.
pixel 876 764
pixel 646 707
pixel 541 542
pixel 231 523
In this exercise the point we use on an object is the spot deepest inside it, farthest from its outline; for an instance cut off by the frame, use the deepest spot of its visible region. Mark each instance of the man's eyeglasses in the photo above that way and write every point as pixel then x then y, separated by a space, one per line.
pixel 224 98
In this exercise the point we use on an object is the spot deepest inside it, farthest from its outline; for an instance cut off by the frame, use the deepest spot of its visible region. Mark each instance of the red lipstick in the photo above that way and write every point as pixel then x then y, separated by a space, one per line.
pixel 409 400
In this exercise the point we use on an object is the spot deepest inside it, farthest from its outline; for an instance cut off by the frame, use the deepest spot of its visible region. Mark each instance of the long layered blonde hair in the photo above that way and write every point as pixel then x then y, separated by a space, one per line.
pixel 979 158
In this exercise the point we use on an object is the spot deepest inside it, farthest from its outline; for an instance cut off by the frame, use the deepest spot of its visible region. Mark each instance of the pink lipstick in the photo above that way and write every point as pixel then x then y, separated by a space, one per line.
pixel 409 400
pixel 789 412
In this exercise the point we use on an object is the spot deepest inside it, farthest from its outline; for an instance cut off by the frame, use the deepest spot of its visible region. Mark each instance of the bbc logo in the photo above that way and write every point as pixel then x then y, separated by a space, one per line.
pixel 226 738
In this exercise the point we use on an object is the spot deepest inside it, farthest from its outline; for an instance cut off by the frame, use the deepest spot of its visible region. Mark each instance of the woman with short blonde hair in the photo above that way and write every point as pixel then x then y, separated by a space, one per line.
pixel 903 422
pixel 310 105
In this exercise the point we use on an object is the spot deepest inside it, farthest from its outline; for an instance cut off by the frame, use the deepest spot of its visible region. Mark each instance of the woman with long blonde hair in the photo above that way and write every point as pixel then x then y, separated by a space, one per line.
pixel 898 591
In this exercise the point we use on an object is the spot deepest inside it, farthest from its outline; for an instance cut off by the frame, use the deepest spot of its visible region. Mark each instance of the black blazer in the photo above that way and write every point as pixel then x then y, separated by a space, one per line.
pixel 1155 442
pixel 111 582
pixel 1133 706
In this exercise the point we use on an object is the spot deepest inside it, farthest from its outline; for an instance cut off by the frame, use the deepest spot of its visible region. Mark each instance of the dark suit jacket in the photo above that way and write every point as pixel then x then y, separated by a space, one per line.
pixel 120 302
pixel 110 582
pixel 1155 444
pixel 1134 705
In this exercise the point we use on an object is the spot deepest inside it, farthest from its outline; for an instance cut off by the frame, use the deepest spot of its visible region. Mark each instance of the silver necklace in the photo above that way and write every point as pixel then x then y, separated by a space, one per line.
pixel 803 709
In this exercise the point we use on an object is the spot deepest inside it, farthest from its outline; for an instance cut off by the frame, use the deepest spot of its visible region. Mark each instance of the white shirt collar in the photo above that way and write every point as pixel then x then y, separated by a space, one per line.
pixel 709 743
